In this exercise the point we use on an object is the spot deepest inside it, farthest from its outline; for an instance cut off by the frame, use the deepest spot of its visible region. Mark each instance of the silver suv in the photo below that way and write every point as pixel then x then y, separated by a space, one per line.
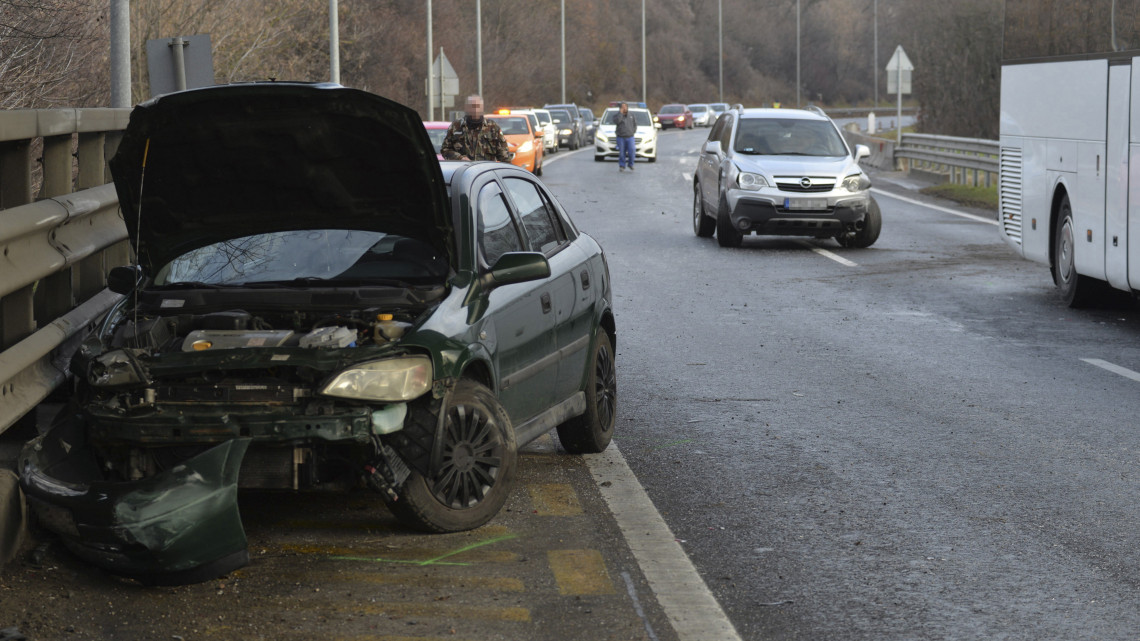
pixel 785 172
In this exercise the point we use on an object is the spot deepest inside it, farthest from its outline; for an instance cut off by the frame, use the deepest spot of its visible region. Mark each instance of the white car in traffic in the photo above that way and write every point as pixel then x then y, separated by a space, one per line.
pixel 644 139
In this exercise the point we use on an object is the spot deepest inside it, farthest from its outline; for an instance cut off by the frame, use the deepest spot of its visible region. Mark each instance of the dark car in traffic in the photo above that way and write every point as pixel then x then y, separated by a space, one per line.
pixel 317 304
pixel 569 128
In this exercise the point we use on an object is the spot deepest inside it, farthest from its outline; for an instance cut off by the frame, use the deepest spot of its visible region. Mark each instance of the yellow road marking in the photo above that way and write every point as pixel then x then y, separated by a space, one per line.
pixel 554 499
pixel 472 553
pixel 436 610
pixel 580 572
pixel 496 583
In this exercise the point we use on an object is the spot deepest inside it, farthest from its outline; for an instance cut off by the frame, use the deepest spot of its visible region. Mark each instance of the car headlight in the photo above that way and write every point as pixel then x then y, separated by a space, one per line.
pixel 750 181
pixel 565 132
pixel 389 380
pixel 525 147
pixel 602 137
pixel 856 182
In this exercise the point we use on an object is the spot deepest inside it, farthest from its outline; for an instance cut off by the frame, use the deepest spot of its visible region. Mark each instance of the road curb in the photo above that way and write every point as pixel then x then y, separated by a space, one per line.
pixel 13 516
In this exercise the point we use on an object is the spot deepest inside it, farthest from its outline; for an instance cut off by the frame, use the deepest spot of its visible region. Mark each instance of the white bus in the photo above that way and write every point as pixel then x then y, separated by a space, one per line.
pixel 1070 141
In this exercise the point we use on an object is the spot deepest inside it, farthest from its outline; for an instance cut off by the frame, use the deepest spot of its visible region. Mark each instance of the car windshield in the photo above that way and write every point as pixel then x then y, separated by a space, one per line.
pixel 641 117
pixel 339 255
pixel 673 109
pixel 512 125
pixel 719 106
pixel 698 109
pixel 437 136
pixel 788 137
pixel 560 116
pixel 543 117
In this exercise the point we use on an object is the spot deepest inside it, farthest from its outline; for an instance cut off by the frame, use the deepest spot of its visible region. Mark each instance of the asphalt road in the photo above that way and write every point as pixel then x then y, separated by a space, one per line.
pixel 900 442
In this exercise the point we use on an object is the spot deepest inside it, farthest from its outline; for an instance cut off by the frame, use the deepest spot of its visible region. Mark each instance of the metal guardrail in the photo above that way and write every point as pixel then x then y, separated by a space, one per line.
pixel 55 247
pixel 965 160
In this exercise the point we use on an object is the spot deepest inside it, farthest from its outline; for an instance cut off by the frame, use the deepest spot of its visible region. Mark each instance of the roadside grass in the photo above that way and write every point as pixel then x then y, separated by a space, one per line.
pixel 981 197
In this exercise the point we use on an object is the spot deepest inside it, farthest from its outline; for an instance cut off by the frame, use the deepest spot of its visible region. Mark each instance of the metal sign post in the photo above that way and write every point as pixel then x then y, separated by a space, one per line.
pixel 442 85
pixel 899 83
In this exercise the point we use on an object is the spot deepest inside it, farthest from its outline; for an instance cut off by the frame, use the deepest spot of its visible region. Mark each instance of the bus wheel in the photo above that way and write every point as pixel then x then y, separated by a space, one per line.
pixel 1076 290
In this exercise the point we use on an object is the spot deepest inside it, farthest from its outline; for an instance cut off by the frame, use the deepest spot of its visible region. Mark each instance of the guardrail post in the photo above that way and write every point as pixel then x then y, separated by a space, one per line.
pixel 53 294
pixel 90 275
pixel 17 320
pixel 119 253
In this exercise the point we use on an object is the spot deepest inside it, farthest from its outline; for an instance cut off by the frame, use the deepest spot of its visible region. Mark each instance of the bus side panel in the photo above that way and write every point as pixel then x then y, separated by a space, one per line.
pixel 1087 200
pixel 1134 179
pixel 1115 240
pixel 1056 111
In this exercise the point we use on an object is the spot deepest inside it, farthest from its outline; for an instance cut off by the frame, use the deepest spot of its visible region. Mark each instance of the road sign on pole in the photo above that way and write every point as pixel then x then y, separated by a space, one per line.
pixel 176 64
pixel 898 82
pixel 446 84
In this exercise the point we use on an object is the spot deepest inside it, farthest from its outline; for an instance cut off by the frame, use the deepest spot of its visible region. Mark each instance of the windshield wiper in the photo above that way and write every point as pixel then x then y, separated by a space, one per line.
pixel 188 284
pixel 313 281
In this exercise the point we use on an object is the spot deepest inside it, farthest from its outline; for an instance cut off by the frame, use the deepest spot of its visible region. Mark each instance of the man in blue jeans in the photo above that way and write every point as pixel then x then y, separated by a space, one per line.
pixel 626 127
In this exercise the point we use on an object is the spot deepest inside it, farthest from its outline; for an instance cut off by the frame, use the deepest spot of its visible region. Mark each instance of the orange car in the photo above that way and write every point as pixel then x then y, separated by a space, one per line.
pixel 521 138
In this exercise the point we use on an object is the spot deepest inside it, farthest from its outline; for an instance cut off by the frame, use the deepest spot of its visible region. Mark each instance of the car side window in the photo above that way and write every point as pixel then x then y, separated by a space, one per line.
pixel 717 128
pixel 497 232
pixel 726 133
pixel 539 222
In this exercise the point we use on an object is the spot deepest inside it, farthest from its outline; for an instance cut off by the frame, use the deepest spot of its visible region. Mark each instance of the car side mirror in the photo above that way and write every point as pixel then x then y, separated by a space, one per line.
pixel 517 267
pixel 862 151
pixel 124 279
pixel 711 147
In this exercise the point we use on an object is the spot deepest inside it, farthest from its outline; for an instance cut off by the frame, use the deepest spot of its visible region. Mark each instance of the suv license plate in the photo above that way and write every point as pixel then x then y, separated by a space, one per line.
pixel 805 203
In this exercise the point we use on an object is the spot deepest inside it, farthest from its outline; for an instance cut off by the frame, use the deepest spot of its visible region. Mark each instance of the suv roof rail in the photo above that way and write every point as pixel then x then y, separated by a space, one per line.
pixel 816 109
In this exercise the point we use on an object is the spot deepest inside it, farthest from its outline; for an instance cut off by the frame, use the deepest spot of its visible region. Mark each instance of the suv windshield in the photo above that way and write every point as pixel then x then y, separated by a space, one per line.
pixel 673 109
pixel 511 125
pixel 559 116
pixel 317 254
pixel 788 137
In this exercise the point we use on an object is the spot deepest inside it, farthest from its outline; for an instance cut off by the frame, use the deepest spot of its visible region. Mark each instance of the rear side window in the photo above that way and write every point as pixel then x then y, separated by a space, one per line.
pixel 537 215
pixel 497 232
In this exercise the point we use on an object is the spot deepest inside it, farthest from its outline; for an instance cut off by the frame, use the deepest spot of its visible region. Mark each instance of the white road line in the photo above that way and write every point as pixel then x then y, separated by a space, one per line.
pixel 955 212
pixel 683 595
pixel 1115 369
pixel 826 254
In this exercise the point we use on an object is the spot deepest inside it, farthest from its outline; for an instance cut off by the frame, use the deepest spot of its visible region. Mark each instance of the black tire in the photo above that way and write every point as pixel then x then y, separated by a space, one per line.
pixel 591 432
pixel 653 158
pixel 476 471
pixel 703 226
pixel 1076 290
pixel 538 170
pixel 726 234
pixel 867 236
pixel 598 158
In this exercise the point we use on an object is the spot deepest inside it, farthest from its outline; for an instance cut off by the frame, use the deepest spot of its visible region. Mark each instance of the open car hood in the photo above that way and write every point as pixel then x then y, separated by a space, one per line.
pixel 208 165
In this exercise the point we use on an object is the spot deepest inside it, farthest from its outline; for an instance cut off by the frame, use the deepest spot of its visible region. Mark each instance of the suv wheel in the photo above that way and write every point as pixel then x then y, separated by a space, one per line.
pixel 726 234
pixel 703 226
pixel 867 236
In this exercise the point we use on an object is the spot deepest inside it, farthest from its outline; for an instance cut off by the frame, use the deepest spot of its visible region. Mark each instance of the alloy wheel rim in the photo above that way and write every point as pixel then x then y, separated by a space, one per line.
pixel 472 456
pixel 696 209
pixel 1065 251
pixel 605 388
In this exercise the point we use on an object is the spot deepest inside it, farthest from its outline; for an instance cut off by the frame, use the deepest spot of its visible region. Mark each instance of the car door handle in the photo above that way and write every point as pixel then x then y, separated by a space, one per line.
pixel 546 306
pixel 585 279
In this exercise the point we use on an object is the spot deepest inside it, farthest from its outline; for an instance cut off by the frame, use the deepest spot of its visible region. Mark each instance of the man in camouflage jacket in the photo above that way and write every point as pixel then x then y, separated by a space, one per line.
pixel 474 137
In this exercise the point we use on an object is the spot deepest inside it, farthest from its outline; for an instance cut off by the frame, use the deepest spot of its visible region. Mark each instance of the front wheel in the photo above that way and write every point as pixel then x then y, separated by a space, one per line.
pixel 726 234
pixel 598 158
pixel 476 467
pixel 703 226
pixel 872 225
pixel 591 432
pixel 1076 290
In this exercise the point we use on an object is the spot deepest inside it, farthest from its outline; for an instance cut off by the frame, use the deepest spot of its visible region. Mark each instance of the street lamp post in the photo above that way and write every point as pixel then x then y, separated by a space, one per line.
pixel 430 76
pixel 563 52
pixel 798 53
pixel 875 62
pixel 334 43
pixel 479 44
pixel 644 92
pixel 720 45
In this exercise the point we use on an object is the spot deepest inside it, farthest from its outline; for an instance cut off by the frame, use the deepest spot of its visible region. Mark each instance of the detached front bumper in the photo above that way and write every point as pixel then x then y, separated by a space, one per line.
pixel 776 214
pixel 177 527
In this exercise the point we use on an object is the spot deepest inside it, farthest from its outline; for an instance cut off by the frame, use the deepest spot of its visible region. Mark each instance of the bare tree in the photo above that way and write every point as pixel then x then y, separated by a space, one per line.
pixel 48 53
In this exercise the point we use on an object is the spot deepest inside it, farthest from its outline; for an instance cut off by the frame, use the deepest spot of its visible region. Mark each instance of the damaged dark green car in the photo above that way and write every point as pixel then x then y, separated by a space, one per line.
pixel 318 303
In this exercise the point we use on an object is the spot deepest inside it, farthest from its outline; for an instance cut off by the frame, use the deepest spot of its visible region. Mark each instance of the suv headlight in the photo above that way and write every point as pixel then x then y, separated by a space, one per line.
pixel 389 380
pixel 565 132
pixel 856 182
pixel 750 181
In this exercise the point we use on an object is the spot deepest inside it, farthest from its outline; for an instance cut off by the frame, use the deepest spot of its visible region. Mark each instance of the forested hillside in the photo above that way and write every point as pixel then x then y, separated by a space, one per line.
pixel 55 52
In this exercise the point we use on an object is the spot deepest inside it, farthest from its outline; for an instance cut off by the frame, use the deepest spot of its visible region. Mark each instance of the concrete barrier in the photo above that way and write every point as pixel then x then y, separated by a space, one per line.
pixel 882 150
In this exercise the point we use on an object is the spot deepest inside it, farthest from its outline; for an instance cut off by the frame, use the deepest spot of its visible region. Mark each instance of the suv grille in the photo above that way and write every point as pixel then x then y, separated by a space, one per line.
pixel 795 184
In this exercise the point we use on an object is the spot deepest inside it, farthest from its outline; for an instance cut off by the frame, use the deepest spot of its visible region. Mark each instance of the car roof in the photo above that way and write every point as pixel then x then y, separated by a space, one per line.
pixel 801 114
pixel 631 108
